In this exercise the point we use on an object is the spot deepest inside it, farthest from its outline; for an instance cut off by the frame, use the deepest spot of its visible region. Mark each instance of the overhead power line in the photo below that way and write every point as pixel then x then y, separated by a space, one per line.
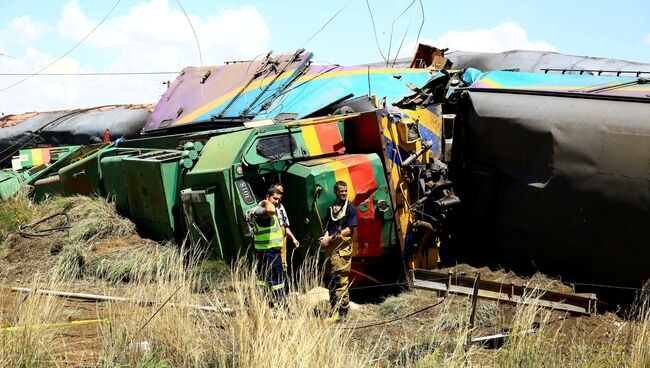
pixel 89 73
pixel 67 52
pixel 196 38
pixel 374 31
pixel 325 25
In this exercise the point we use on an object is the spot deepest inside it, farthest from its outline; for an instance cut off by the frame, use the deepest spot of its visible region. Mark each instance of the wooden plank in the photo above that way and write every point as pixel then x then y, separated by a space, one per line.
pixel 516 294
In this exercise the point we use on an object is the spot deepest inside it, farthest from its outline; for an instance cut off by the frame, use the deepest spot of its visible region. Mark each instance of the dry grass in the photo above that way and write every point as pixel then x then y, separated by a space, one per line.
pixel 94 218
pixel 31 343
pixel 258 336
pixel 255 336
pixel 148 335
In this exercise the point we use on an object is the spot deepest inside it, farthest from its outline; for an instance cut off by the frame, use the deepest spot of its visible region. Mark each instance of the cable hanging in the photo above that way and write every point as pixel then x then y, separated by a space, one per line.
pixel 67 52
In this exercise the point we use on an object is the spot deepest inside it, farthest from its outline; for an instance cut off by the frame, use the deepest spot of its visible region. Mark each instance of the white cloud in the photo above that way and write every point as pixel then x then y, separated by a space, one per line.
pixel 504 37
pixel 151 36
pixel 647 40
pixel 26 28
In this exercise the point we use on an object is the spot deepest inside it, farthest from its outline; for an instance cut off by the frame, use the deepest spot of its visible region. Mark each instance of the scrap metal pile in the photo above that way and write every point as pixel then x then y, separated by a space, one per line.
pixel 545 171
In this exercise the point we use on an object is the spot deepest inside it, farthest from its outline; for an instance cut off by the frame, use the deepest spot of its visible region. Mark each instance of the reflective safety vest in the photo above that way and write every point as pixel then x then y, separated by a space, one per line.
pixel 268 237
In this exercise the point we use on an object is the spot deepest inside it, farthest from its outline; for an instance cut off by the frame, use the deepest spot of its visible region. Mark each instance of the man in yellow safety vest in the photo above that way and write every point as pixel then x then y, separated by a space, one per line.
pixel 268 239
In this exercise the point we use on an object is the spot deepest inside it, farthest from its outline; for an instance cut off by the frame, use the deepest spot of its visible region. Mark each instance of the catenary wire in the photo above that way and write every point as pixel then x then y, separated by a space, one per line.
pixel 374 31
pixel 88 73
pixel 401 44
pixel 67 52
pixel 325 25
pixel 392 28
pixel 198 44
pixel 417 39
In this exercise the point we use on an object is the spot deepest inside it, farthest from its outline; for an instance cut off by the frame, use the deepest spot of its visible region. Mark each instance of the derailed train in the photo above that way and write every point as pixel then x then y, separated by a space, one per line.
pixel 531 171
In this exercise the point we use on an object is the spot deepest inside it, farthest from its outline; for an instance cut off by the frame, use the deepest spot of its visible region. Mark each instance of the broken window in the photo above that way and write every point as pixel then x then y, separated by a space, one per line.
pixel 277 146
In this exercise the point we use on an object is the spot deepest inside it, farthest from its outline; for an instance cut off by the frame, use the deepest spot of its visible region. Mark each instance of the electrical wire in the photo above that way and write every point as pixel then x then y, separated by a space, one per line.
pixel 301 94
pixel 148 320
pixel 31 136
pixel 374 30
pixel 417 39
pixel 603 286
pixel 198 45
pixel 324 25
pixel 284 93
pixel 392 28
pixel 402 42
pixel 390 40
pixel 89 73
pixel 379 323
pixel 69 51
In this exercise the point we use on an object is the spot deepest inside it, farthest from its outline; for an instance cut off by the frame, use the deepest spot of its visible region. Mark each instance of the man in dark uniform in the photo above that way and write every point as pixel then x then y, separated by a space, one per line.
pixel 337 243
pixel 268 239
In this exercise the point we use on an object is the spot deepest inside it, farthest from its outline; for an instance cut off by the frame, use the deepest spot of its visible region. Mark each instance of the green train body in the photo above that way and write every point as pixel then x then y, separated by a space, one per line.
pixel 202 185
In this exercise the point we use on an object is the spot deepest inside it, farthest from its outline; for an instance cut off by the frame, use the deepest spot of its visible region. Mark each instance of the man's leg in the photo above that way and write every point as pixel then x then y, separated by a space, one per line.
pixel 341 262
pixel 276 277
pixel 262 271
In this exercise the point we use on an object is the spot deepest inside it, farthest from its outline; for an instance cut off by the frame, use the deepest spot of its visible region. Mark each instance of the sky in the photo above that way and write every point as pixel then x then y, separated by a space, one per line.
pixel 111 36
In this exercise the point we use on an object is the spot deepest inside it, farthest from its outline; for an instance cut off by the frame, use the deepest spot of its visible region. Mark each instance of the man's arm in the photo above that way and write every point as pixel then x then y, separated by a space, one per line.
pixel 295 241
pixel 325 239
pixel 350 222
pixel 269 208
pixel 347 232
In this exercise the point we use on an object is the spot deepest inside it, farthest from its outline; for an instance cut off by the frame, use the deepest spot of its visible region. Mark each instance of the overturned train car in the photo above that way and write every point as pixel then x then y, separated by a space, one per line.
pixel 211 150
pixel 529 171
pixel 554 175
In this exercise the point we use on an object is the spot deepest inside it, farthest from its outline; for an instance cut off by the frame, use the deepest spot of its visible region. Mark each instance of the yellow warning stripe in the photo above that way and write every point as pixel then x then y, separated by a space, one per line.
pixel 311 140
pixel 341 173
pixel 52 325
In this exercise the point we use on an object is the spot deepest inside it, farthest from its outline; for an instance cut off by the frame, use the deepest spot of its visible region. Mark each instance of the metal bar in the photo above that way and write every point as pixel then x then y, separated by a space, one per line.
pixel 558 94
pixel 498 338
pixel 472 315
pixel 260 70
pixel 584 304
pixel 296 57
pixel 104 298
pixel 599 71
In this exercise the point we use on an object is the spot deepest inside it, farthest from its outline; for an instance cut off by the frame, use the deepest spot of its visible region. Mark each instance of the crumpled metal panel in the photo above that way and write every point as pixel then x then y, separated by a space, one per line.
pixel 238 92
pixel 226 91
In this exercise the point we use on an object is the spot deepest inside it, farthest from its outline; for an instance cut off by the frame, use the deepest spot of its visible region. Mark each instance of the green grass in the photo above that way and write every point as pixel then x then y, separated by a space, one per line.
pixel 19 210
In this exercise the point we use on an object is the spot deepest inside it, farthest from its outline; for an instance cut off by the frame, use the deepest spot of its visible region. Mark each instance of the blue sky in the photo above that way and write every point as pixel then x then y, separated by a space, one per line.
pixel 153 35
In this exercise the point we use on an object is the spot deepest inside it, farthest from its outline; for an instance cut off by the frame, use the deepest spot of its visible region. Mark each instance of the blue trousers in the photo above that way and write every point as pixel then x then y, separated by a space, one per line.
pixel 270 273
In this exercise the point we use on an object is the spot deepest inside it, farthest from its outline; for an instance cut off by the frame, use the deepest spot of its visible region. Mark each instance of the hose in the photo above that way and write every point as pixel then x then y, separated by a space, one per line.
pixel 30 231
pixel 317 190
